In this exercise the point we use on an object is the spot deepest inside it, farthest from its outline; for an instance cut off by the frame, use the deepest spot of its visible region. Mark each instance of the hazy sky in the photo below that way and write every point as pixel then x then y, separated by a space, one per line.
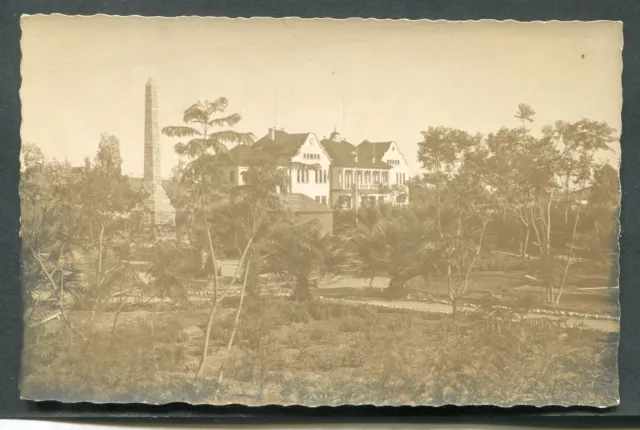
pixel 83 76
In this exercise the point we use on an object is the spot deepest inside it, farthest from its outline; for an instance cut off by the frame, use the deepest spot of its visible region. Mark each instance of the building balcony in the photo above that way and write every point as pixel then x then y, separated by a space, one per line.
pixel 365 186
pixel 375 187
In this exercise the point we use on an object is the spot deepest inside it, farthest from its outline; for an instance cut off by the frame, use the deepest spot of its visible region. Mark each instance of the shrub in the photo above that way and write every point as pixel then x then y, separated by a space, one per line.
pixel 351 324
pixel 475 358
pixel 319 332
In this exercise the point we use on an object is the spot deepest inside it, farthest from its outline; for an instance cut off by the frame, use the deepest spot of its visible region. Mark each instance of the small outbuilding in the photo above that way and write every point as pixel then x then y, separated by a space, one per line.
pixel 305 210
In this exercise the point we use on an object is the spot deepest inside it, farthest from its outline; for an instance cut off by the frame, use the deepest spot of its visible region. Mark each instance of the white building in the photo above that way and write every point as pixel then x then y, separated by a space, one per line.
pixel 369 173
pixel 333 171
pixel 301 154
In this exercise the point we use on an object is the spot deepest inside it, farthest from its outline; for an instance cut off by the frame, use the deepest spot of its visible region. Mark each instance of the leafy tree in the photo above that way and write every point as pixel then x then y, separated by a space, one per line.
pixel 605 190
pixel 514 172
pixel 569 150
pixel 108 200
pixel 83 222
pixel 457 164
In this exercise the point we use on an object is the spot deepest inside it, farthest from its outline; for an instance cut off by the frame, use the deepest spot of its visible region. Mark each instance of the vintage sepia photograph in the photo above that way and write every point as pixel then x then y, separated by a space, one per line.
pixel 320 212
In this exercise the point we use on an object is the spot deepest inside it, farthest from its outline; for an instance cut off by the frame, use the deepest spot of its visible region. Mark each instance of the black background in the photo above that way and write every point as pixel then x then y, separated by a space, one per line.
pixel 627 413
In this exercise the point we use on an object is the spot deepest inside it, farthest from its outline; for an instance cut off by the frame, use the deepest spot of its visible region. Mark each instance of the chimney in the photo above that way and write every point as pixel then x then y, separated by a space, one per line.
pixel 335 136
pixel 272 134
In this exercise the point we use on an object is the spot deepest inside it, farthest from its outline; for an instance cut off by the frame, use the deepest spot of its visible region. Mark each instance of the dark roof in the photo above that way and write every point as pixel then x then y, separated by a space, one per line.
pixel 368 150
pixel 245 154
pixel 301 203
pixel 343 153
pixel 283 146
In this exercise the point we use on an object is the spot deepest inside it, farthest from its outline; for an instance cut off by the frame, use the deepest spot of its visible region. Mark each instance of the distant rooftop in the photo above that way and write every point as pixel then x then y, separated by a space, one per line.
pixel 345 154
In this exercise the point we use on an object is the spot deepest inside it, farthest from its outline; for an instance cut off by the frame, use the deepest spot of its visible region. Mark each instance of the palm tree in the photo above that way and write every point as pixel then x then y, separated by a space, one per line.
pixel 363 244
pixel 168 269
pixel 206 151
pixel 301 255
pixel 405 242
pixel 524 114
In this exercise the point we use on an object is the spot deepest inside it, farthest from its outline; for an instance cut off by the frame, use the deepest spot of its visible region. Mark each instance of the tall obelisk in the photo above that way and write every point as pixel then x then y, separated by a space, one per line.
pixel 162 212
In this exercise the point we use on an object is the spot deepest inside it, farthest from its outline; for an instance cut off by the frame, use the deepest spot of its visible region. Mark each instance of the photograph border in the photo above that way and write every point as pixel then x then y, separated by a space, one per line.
pixel 11 322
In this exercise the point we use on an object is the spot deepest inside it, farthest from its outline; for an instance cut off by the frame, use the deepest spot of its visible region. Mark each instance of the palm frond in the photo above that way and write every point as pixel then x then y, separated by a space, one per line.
pixel 197 113
pixel 218 105
pixel 228 136
pixel 180 131
pixel 230 120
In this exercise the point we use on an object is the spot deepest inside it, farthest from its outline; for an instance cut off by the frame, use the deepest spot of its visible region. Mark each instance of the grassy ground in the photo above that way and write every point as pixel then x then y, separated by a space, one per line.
pixel 508 288
pixel 497 279
pixel 318 353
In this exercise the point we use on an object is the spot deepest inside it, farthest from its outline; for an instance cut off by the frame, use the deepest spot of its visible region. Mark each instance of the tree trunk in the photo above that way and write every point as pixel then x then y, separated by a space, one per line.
pixel 214 262
pixel 569 259
pixel 525 246
pixel 212 313
pixel 396 288
pixel 253 279
pixel 233 335
pixel 303 290
pixel 99 279
pixel 119 310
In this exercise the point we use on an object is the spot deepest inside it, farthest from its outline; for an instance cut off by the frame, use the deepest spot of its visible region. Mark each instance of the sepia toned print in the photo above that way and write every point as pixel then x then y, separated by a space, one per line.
pixel 320 212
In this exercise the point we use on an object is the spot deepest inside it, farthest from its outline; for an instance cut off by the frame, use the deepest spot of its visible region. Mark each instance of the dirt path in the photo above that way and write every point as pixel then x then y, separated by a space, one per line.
pixel 599 324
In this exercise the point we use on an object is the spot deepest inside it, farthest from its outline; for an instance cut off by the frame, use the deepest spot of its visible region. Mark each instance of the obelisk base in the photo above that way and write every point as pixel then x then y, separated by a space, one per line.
pixel 159 205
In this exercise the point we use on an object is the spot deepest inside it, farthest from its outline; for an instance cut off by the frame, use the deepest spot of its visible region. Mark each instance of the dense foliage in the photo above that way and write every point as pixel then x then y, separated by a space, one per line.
pixel 540 208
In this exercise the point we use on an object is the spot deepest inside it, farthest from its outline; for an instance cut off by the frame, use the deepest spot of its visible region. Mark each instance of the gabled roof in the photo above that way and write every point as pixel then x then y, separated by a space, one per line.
pixel 281 148
pixel 285 144
pixel 343 154
pixel 300 203
pixel 245 154
pixel 368 149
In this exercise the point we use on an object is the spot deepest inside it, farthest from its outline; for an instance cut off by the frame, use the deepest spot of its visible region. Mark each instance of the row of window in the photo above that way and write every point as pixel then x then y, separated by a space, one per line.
pixel 311 156
pixel 394 162
pixel 321 199
pixel 320 176
pixel 366 178
pixel 376 178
